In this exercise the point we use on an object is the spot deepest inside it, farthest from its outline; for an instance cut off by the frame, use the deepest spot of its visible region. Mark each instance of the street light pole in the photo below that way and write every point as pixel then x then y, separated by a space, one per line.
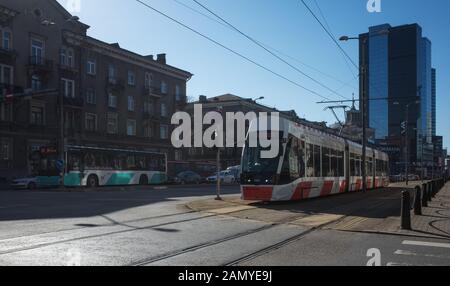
pixel 406 145
pixel 364 114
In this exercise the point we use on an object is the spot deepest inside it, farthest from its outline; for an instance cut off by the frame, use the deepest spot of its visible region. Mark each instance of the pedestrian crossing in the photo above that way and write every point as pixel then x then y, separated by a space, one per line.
pixel 421 253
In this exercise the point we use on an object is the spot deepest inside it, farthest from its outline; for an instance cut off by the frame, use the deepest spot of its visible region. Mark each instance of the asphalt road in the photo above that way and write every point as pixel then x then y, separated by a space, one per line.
pixel 153 227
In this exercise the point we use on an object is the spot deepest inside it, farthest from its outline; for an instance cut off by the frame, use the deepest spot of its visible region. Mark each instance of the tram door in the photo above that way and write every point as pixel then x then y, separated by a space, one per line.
pixel 347 167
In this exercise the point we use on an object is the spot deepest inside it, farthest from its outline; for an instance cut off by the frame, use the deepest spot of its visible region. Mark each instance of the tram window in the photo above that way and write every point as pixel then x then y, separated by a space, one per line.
pixel 309 160
pixel 293 159
pixel 301 159
pixel 325 162
pixel 317 161
pixel 340 159
pixel 357 165
pixel 334 165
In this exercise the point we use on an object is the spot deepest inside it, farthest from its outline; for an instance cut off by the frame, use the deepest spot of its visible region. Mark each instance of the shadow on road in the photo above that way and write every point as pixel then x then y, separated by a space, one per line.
pixel 27 205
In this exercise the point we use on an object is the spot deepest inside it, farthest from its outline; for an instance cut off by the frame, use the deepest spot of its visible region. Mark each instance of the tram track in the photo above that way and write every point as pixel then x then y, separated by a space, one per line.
pixel 130 229
pixel 255 254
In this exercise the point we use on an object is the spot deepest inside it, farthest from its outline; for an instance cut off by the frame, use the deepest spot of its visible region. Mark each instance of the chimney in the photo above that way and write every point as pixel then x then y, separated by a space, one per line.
pixel 161 58
pixel 202 99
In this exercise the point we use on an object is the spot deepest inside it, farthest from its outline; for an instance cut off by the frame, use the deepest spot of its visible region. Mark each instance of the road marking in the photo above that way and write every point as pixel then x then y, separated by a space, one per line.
pixel 424 243
pixel 160 188
pixel 407 264
pixel 410 253
pixel 398 264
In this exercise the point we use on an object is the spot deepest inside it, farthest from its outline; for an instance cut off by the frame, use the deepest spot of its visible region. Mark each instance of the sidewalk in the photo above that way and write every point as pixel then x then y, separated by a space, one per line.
pixel 376 211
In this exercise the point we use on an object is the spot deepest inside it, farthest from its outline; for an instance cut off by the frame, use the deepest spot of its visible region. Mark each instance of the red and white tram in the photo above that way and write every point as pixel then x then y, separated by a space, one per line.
pixel 310 164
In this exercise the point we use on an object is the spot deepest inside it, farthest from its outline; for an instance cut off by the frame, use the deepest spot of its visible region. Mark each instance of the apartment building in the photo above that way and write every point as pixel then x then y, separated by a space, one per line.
pixel 60 87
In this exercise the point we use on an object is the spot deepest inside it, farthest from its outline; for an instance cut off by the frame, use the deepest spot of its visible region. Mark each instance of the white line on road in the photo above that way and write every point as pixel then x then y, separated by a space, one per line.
pixel 410 253
pixel 424 243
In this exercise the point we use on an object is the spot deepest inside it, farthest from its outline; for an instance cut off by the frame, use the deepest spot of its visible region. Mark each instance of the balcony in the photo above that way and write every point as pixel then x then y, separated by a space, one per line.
pixel 40 64
pixel 154 92
pixel 115 83
pixel 76 102
pixel 67 70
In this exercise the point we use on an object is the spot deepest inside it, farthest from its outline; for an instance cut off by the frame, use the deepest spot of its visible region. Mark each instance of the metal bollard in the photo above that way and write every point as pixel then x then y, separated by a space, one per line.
pixel 429 191
pixel 424 195
pixel 418 202
pixel 406 210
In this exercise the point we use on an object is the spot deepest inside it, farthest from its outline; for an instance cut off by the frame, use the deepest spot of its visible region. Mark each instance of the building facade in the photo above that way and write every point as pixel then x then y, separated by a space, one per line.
pixel 61 87
pixel 399 91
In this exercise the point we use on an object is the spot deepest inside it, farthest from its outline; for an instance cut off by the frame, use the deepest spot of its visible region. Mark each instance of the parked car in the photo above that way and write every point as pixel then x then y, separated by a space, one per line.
pixel 236 171
pixel 226 177
pixel 188 177
pixel 25 183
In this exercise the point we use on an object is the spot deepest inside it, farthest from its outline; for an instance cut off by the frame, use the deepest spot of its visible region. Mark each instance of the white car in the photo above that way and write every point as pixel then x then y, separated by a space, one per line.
pixel 226 177
pixel 25 183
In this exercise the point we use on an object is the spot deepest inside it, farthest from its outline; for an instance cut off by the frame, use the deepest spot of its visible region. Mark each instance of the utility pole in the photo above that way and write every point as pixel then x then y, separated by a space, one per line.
pixel 364 114
pixel 406 145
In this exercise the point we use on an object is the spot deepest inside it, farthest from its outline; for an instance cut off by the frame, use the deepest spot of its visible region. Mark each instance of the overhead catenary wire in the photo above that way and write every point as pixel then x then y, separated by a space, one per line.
pixel 267 50
pixel 231 50
pixel 329 34
pixel 268 46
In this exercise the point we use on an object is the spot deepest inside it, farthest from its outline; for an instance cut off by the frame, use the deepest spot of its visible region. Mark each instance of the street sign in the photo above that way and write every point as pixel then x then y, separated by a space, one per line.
pixel 60 165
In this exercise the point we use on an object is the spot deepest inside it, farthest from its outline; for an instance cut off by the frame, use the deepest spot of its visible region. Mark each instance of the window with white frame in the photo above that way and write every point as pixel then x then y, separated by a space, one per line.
pixel 131 127
pixel 91 67
pixel 164 131
pixel 148 80
pixel 112 123
pixel 112 100
pixel 91 96
pixel 68 87
pixel 6 74
pixel 91 122
pixel 37 116
pixel 36 82
pixel 130 103
pixel 6 39
pixel 63 56
pixel 111 74
pixel 131 78
pixel 70 58
pixel 163 110
pixel 6 112
pixel 164 87
pixel 5 153
pixel 37 51
pixel 148 130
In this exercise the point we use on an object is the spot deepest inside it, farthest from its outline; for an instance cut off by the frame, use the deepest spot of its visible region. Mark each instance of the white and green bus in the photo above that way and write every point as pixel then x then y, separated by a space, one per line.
pixel 93 167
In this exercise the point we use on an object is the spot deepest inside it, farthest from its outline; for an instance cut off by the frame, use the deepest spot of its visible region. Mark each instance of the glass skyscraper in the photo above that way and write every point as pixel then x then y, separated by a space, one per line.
pixel 399 74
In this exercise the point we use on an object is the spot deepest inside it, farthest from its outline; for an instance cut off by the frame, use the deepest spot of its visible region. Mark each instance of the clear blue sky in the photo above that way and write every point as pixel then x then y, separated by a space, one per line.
pixel 283 24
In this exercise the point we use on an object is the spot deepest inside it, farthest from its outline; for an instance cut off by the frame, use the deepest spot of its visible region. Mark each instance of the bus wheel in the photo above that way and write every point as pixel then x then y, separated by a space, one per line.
pixel 92 181
pixel 143 180
pixel 32 186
